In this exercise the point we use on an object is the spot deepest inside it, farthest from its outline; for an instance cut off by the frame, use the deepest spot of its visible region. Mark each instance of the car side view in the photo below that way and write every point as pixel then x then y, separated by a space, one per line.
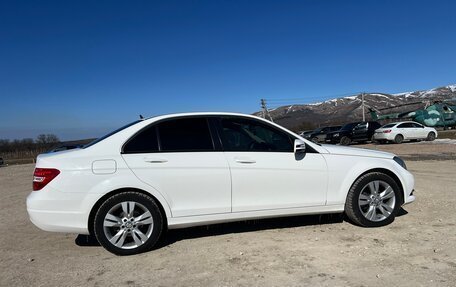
pixel 353 132
pixel 182 170
pixel 398 132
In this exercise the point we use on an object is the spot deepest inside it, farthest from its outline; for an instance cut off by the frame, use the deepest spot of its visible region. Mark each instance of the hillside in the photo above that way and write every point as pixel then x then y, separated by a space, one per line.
pixel 347 109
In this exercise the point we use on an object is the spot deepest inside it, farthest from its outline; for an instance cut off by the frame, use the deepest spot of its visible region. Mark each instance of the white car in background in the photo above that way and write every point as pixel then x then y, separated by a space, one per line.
pixel 398 132
pixel 191 169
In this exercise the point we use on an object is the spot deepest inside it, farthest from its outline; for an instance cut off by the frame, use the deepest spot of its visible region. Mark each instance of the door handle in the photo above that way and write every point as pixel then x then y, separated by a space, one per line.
pixel 244 160
pixel 155 160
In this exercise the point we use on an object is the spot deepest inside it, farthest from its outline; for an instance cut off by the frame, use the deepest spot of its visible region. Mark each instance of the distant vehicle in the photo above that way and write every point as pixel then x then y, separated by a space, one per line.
pixel 353 132
pixel 398 132
pixel 439 114
pixel 1 161
pixel 182 170
pixel 319 135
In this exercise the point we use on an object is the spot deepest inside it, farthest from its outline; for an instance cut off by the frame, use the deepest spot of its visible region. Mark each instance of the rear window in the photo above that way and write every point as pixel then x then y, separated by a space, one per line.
pixel 110 134
pixel 388 126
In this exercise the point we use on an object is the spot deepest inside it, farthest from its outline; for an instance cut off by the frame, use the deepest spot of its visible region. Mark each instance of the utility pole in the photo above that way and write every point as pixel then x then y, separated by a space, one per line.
pixel 362 99
pixel 264 110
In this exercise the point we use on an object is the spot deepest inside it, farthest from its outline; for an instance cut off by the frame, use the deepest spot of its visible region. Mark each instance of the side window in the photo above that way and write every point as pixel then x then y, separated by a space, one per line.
pixel 143 142
pixel 415 125
pixel 408 125
pixel 185 134
pixel 361 126
pixel 249 135
pixel 401 126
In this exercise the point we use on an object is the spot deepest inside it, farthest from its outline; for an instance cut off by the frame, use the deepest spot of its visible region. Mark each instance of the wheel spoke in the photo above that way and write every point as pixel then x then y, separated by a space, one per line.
pixel 111 221
pixel 371 213
pixel 387 193
pixel 374 186
pixel 128 207
pixel 387 207
pixel 136 238
pixel 145 218
pixel 383 210
pixel 141 235
pixel 363 199
pixel 119 238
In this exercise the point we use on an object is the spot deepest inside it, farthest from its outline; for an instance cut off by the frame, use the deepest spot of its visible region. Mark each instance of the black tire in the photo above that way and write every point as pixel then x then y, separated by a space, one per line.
pixel 345 140
pixel 399 139
pixel 430 136
pixel 139 199
pixel 353 209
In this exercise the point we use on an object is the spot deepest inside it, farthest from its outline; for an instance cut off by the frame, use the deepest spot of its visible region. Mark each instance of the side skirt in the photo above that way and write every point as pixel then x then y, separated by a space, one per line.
pixel 188 221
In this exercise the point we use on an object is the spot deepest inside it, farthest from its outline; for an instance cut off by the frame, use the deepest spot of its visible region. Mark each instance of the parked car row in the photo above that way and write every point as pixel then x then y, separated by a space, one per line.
pixel 361 132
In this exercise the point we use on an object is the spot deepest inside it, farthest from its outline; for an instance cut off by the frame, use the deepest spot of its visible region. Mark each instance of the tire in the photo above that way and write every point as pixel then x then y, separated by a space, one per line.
pixel 131 220
pixel 366 208
pixel 345 140
pixel 430 136
pixel 399 139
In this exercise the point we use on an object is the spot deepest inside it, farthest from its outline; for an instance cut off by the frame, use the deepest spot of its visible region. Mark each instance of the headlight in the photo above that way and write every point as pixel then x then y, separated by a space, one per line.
pixel 400 162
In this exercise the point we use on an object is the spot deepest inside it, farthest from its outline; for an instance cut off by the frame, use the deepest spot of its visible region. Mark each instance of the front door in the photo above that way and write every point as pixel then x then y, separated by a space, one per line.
pixel 265 172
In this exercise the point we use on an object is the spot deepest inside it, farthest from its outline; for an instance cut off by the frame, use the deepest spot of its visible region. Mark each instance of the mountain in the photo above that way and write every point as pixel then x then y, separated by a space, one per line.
pixel 349 109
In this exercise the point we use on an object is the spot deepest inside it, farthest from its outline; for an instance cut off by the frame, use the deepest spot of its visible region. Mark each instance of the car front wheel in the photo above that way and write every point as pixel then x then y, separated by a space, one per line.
pixel 128 223
pixel 431 136
pixel 373 200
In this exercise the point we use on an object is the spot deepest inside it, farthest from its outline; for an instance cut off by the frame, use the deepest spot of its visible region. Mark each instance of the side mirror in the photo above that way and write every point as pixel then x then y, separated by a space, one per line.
pixel 299 146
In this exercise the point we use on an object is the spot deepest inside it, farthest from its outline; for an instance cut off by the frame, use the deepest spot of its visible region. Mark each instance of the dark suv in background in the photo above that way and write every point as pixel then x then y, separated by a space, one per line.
pixel 319 135
pixel 353 132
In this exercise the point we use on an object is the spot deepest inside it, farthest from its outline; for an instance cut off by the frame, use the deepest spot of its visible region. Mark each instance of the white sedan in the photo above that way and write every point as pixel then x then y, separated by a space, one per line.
pixel 398 132
pixel 191 169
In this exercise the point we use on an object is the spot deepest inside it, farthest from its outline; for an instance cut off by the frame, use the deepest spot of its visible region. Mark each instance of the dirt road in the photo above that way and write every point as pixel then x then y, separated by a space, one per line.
pixel 418 249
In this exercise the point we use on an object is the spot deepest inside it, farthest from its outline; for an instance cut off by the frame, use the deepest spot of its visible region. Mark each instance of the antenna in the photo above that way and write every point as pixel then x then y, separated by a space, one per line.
pixel 141 117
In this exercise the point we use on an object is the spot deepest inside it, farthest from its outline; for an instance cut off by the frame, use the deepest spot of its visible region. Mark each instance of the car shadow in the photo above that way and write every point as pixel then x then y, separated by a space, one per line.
pixel 175 235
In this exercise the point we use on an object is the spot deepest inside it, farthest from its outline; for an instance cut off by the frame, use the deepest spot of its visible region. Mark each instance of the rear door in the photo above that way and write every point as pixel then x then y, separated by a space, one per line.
pixel 179 158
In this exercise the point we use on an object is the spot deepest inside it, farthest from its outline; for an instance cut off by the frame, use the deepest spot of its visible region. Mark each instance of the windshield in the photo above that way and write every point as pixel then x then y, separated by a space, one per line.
pixel 110 134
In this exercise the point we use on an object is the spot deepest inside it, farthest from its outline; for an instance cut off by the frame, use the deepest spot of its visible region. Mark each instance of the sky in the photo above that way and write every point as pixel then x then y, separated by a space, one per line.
pixel 79 69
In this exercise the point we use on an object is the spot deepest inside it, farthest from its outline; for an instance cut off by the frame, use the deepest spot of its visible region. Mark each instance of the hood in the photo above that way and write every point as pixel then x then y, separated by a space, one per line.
pixel 343 150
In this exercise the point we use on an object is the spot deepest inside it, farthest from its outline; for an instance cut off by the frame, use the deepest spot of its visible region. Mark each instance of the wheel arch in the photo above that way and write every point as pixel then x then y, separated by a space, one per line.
pixel 96 206
pixel 390 174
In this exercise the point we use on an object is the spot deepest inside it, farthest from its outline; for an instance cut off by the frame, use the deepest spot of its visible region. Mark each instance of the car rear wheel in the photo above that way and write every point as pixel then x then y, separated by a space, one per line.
pixel 431 136
pixel 399 139
pixel 373 200
pixel 128 223
pixel 345 140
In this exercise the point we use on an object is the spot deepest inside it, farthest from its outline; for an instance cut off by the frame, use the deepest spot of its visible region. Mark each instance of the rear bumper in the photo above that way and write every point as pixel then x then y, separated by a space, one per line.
pixel 57 211
pixel 383 136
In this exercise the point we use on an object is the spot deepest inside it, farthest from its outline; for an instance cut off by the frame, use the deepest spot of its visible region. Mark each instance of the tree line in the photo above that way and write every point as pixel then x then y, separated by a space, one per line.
pixel 27 147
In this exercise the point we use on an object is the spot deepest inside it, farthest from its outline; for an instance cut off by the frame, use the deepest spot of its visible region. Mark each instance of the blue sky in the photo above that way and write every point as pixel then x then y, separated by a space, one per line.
pixel 79 69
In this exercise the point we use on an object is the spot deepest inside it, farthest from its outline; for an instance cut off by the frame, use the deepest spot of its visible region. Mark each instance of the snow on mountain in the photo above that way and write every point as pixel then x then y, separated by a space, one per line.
pixel 347 109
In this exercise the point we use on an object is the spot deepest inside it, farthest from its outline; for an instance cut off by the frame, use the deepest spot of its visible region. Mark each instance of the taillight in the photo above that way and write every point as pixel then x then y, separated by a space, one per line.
pixel 43 176
pixel 386 131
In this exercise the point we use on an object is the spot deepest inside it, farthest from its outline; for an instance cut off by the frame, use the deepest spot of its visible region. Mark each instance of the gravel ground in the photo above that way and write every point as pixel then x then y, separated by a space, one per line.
pixel 418 249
